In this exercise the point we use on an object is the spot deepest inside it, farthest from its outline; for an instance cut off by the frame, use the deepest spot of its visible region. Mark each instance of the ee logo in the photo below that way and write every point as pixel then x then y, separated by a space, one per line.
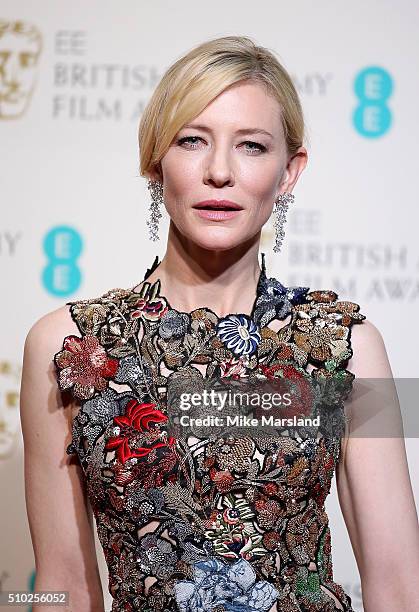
pixel 373 86
pixel 62 246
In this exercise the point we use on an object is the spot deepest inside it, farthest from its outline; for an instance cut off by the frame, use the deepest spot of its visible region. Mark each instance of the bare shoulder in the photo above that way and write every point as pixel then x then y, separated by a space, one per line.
pixel 39 378
pixel 366 332
pixel 50 327
pixel 369 354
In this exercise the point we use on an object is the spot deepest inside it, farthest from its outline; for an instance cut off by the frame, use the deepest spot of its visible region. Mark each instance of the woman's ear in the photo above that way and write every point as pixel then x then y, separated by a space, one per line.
pixel 155 173
pixel 294 168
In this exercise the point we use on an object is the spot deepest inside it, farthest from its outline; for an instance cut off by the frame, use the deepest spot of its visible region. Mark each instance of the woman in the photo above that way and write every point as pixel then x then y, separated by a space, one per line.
pixel 230 521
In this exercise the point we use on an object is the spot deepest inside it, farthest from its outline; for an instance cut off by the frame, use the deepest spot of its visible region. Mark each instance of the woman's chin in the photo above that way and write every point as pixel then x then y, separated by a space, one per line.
pixel 214 236
pixel 218 243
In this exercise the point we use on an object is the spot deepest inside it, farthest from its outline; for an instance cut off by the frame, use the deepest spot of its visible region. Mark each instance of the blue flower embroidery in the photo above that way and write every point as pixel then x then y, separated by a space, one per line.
pixel 276 300
pixel 239 333
pixel 232 586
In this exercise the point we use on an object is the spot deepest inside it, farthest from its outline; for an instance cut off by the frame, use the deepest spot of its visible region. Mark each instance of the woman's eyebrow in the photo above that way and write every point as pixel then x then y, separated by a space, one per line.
pixel 204 128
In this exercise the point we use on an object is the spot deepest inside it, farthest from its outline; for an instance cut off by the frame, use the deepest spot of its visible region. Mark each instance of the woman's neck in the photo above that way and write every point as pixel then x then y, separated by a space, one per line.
pixel 223 280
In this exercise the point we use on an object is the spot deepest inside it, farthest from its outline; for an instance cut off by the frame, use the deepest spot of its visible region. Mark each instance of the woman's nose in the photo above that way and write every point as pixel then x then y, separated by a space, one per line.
pixel 219 170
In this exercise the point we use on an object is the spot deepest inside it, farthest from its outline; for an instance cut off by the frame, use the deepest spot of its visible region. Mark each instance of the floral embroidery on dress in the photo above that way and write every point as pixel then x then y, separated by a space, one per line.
pixel 226 521
pixel 221 586
pixel 85 366
pixel 239 333
pixel 138 418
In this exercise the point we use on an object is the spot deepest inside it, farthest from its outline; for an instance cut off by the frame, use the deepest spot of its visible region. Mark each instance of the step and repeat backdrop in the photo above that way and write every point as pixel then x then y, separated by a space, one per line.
pixel 74 80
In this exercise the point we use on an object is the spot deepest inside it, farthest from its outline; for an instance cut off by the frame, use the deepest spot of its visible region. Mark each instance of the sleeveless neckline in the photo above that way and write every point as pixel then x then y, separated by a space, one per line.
pixel 158 283
pixel 268 290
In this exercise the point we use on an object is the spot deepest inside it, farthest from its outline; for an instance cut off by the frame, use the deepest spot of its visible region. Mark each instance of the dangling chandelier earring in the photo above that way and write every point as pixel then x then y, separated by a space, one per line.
pixel 156 190
pixel 280 210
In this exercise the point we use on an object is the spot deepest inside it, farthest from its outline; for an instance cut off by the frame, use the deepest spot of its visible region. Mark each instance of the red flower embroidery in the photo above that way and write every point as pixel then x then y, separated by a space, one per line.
pixel 222 479
pixel 151 309
pixel 232 367
pixel 84 365
pixel 137 417
pixel 301 391
pixel 270 489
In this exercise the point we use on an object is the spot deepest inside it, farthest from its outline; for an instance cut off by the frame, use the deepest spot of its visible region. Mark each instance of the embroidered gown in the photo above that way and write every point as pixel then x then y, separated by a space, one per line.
pixel 225 522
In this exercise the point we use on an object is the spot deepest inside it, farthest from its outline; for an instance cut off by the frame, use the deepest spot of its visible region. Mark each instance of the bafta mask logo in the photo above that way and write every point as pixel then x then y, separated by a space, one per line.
pixel 10 374
pixel 20 48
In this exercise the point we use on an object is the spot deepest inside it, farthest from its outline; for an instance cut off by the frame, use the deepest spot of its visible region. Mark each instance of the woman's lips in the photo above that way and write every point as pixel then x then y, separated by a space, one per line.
pixel 217 215
pixel 217 210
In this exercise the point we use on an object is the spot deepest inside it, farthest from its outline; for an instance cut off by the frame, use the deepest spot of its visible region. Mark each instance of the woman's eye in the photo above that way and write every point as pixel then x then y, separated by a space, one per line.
pixel 193 145
pixel 260 148
pixel 188 138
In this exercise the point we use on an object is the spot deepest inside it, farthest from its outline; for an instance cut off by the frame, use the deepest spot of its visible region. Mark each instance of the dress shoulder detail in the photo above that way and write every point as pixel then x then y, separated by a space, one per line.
pixel 322 329
pixel 82 364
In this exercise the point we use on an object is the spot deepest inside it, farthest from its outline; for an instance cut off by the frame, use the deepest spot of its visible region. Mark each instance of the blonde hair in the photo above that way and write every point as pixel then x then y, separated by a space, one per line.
pixel 198 77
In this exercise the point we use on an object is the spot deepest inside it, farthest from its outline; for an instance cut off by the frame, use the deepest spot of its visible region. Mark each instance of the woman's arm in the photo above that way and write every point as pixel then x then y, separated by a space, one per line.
pixel 373 482
pixel 60 518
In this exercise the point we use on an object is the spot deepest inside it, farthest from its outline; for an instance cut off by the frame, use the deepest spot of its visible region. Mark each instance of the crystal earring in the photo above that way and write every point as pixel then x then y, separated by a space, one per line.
pixel 280 210
pixel 156 190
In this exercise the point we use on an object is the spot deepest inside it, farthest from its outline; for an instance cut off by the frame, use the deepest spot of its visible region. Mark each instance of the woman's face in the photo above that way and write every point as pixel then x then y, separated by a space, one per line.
pixel 234 150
